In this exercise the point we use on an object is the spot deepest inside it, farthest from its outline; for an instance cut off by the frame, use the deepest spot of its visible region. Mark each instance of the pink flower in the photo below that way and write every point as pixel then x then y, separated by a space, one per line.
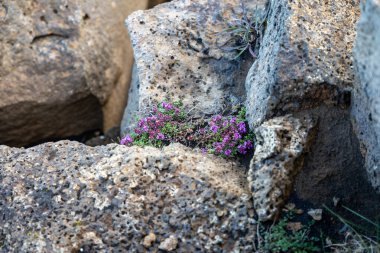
pixel 126 140
pixel 160 136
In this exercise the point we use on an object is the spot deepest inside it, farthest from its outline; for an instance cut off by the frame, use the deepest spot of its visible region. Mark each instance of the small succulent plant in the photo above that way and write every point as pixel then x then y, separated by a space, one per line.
pixel 243 32
pixel 226 136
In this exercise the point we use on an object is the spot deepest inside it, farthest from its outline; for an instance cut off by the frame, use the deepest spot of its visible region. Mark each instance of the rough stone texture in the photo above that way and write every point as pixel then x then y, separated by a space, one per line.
pixel 278 158
pixel 366 108
pixel 62 66
pixel 305 68
pixel 305 57
pixel 131 111
pixel 67 197
pixel 184 62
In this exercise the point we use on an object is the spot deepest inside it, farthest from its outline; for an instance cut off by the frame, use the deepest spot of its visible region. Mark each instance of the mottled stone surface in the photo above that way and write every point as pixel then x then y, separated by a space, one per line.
pixel 62 65
pixel 366 108
pixel 305 58
pixel 67 197
pixel 177 57
pixel 281 143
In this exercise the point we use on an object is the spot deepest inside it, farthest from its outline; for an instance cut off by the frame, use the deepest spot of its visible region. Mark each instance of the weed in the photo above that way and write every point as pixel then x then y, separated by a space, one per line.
pixel 278 238
pixel 243 33
pixel 358 238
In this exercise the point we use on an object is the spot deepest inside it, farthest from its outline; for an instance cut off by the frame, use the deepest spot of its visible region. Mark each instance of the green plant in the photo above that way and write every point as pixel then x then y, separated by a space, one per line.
pixel 226 136
pixel 358 238
pixel 279 239
pixel 243 33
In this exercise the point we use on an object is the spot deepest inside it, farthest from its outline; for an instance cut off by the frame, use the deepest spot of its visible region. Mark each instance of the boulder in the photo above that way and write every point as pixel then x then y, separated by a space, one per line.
pixel 304 68
pixel 280 147
pixel 68 197
pixel 305 58
pixel 177 56
pixel 63 64
pixel 366 106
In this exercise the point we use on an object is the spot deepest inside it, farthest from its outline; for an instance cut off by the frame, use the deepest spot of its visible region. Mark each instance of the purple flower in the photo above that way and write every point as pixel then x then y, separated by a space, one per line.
pixel 160 136
pixel 216 118
pixel 145 128
pixel 233 120
pixel 228 152
pixel 242 128
pixel 226 139
pixel 126 140
pixel 248 144
pixel 167 106
pixel 218 147
pixel 214 128
pixel 237 136
pixel 225 123
pixel 204 151
pixel 241 149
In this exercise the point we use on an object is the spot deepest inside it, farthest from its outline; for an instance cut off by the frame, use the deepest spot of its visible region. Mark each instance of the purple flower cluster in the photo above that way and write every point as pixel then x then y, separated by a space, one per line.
pixel 224 136
pixel 228 136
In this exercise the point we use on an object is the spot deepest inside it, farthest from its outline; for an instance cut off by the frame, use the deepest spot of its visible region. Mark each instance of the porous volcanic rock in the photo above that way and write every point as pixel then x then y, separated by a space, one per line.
pixel 280 146
pixel 305 58
pixel 177 57
pixel 68 197
pixel 305 68
pixel 62 65
pixel 366 108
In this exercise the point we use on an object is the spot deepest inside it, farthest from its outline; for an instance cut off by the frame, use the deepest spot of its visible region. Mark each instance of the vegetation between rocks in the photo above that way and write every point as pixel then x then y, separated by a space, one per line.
pixel 226 136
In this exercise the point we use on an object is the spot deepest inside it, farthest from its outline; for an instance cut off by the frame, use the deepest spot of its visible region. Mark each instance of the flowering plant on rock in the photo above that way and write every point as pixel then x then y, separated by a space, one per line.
pixel 226 136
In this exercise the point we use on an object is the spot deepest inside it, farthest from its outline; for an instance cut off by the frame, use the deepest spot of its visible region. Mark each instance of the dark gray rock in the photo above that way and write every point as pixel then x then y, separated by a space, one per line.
pixel 366 107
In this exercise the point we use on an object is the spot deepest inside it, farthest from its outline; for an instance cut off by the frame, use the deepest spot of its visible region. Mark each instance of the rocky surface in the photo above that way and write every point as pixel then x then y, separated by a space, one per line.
pixel 280 146
pixel 63 64
pixel 184 62
pixel 366 108
pixel 67 197
pixel 305 58
pixel 305 67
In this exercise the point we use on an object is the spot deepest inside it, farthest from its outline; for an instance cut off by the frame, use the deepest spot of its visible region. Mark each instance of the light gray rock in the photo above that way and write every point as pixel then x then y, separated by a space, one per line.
pixel 305 58
pixel 280 146
pixel 366 108
pixel 132 109
pixel 68 197
pixel 64 67
pixel 177 57
pixel 169 244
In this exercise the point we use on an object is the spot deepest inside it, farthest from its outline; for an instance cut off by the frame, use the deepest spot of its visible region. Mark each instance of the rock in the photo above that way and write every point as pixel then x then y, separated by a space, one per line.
pixel 366 98
pixel 305 58
pixel 316 214
pixel 149 239
pixel 278 158
pixel 169 244
pixel 61 67
pixel 304 68
pixel 184 63
pixel 68 197
pixel 153 3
